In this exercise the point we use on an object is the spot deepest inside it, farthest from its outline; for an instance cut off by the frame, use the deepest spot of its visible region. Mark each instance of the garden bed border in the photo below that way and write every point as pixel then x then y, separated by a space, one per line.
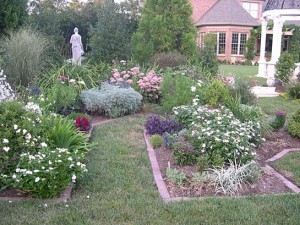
pixel 164 193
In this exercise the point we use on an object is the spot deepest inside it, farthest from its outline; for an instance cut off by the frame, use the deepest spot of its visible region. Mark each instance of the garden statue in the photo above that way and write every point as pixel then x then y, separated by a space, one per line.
pixel 77 48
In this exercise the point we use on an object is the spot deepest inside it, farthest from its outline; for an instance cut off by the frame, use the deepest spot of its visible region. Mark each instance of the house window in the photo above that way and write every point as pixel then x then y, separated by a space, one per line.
pixel 200 39
pixel 221 43
pixel 238 43
pixel 251 8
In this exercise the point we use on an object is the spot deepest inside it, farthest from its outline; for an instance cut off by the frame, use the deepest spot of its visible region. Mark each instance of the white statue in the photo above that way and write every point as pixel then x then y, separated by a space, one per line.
pixel 77 48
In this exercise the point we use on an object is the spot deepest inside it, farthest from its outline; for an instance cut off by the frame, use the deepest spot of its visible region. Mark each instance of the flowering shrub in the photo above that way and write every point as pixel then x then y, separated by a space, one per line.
pixel 150 85
pixel 31 154
pixel 155 125
pixel 82 123
pixel 6 92
pixel 48 172
pixel 122 78
pixel 20 131
pixel 217 133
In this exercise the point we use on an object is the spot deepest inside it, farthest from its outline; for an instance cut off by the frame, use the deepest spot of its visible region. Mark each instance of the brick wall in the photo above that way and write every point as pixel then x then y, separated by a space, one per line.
pixel 200 7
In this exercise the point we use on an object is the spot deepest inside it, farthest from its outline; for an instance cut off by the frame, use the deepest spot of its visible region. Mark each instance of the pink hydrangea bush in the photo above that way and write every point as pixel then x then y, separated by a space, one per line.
pixel 150 86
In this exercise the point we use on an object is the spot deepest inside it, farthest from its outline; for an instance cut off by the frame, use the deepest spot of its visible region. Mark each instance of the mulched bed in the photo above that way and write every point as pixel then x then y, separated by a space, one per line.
pixel 267 183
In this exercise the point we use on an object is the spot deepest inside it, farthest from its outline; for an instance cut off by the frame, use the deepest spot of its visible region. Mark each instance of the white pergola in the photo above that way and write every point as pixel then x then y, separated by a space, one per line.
pixel 279 16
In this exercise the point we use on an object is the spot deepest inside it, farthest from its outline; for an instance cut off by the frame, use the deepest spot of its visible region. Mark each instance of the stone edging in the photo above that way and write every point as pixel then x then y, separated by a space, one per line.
pixel 287 183
pixel 163 191
pixel 67 193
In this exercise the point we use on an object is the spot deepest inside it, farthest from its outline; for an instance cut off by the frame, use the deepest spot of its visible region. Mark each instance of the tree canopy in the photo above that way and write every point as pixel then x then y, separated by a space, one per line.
pixel 164 26
pixel 12 14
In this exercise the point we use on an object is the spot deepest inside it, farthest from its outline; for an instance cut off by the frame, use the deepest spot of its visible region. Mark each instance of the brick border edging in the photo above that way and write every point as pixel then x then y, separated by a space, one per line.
pixel 287 182
pixel 164 193
pixel 160 183
pixel 68 192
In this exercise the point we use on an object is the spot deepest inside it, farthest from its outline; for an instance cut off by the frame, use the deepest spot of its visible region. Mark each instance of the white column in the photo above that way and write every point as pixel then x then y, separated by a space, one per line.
pixel 262 61
pixel 276 46
pixel 277 36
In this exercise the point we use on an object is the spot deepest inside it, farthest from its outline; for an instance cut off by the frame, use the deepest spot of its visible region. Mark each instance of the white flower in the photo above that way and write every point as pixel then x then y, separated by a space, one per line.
pixel 15 126
pixel 14 176
pixel 74 178
pixel 43 144
pixel 17 170
pixel 37 179
pixel 71 166
pixel 5 141
pixel 24 131
pixel 193 88
pixel 28 172
pixel 81 82
pixel 88 196
pixel 6 149
pixel 175 112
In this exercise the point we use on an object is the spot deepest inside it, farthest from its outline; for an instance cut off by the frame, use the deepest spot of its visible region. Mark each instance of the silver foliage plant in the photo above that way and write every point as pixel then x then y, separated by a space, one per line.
pixel 229 179
pixel 6 92
pixel 112 101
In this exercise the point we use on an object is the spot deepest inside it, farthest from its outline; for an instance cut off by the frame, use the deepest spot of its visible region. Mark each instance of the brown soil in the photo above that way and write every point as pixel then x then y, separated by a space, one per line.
pixel 266 184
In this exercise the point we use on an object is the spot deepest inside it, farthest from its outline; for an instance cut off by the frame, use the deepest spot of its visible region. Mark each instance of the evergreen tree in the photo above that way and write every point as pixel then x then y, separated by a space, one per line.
pixel 12 14
pixel 165 26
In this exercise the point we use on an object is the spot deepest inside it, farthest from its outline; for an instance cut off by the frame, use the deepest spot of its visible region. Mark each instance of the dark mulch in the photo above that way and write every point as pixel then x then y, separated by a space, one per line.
pixel 267 182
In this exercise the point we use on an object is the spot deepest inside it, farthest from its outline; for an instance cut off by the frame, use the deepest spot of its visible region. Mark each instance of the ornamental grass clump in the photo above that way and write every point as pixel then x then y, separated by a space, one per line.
pixel 229 179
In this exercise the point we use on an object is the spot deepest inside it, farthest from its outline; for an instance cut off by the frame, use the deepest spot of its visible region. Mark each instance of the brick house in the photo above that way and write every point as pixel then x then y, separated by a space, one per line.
pixel 232 22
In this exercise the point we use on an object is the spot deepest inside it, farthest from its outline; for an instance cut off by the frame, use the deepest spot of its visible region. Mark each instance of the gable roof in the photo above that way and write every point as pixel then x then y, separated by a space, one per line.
pixel 227 12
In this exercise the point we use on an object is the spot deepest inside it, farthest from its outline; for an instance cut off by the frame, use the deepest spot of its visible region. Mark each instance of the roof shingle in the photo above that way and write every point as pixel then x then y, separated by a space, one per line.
pixel 227 12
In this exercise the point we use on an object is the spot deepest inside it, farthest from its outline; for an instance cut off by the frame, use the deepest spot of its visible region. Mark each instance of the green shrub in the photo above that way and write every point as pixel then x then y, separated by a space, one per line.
pixel 294 124
pixel 111 100
pixel 294 128
pixel 24 56
pixel 242 90
pixel 168 59
pixel 285 67
pixel 59 98
pixel 176 90
pixel 156 140
pixel 216 93
pixel 294 91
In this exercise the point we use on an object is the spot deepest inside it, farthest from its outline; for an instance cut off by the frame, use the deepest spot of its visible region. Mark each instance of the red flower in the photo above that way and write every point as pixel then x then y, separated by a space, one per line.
pixel 82 123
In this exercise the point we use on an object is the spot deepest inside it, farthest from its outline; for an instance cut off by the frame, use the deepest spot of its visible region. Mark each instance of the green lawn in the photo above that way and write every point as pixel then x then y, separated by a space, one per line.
pixel 244 73
pixel 121 191
pixel 289 165
pixel 271 105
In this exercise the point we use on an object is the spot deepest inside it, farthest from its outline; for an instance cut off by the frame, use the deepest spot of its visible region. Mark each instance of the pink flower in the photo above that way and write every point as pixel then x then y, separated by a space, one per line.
pixel 126 76
pixel 129 81
pixel 116 75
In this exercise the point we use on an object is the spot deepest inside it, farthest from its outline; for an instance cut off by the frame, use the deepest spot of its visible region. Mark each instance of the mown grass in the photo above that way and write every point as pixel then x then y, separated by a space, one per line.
pixel 121 191
pixel 271 105
pixel 243 73
pixel 289 165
